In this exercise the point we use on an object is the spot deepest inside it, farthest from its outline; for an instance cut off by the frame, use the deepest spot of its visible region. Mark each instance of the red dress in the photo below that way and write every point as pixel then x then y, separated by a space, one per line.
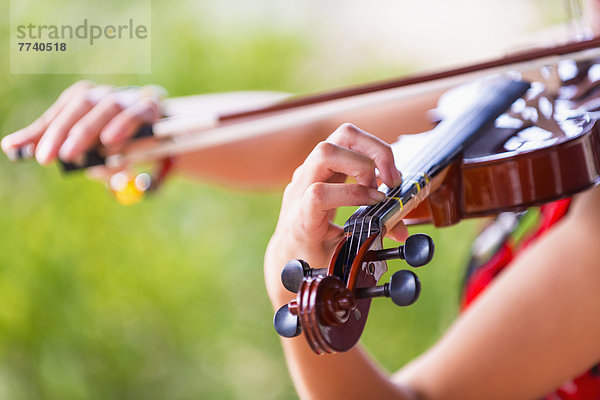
pixel 481 274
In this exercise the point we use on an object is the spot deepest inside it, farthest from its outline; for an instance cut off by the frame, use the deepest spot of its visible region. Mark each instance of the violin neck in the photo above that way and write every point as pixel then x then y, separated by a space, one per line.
pixel 447 141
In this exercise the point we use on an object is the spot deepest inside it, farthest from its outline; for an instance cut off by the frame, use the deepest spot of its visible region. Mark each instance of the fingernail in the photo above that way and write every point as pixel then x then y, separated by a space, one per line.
pixel 28 151
pixel 376 195
pixel 12 154
pixel 396 176
pixel 107 139
pixel 5 143
pixel 66 150
pixel 43 153
pixel 373 183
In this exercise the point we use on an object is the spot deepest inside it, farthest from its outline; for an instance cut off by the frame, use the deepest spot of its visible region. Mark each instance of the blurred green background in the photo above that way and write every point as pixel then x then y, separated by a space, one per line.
pixel 165 299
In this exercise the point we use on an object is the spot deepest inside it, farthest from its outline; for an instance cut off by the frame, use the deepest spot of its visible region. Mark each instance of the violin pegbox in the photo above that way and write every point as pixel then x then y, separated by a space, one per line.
pixel 332 304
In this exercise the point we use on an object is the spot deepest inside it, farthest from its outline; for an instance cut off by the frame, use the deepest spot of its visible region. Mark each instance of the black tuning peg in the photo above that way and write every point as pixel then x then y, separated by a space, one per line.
pixel 417 251
pixel 294 272
pixel 286 324
pixel 404 289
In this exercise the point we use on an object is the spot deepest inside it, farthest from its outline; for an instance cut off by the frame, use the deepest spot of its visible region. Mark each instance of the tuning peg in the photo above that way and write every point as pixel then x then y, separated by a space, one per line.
pixel 294 271
pixel 404 289
pixel 286 324
pixel 417 251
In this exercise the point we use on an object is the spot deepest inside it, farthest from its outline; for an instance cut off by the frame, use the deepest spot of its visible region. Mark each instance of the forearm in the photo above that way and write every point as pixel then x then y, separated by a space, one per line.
pixel 350 375
pixel 268 160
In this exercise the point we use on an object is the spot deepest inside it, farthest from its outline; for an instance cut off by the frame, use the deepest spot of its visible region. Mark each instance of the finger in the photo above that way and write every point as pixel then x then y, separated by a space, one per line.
pixel 28 135
pixel 329 162
pixel 354 138
pixel 320 198
pixel 84 134
pixel 114 178
pixel 399 233
pixel 57 132
pixel 99 172
pixel 33 132
pixel 128 121
pixel 19 153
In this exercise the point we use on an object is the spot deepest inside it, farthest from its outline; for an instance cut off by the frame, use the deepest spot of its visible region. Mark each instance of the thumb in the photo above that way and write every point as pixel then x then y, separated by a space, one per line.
pixel 399 233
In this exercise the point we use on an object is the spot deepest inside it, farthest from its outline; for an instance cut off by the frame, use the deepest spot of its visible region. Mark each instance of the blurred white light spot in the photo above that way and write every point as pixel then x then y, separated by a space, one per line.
pixel 143 181
pixel 567 70
pixel 545 107
pixel 119 181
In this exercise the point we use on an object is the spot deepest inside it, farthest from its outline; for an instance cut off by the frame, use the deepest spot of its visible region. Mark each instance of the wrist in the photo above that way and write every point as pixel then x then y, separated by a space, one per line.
pixel 276 256
pixel 282 248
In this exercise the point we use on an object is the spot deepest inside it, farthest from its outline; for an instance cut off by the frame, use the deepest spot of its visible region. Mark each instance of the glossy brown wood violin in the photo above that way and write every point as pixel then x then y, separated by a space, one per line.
pixel 508 149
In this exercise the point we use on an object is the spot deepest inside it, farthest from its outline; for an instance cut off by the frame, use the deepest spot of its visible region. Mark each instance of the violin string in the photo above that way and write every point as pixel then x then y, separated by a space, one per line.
pixel 360 235
pixel 416 167
pixel 419 164
pixel 361 230
pixel 455 134
pixel 411 166
pixel 443 145
pixel 349 250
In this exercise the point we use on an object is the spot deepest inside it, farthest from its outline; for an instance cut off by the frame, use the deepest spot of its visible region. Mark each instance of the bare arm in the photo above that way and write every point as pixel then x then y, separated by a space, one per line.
pixel 269 160
pixel 86 114
pixel 536 327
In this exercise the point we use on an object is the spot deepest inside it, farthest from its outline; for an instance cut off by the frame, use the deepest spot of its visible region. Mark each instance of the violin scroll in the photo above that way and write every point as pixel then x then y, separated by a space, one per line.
pixel 330 309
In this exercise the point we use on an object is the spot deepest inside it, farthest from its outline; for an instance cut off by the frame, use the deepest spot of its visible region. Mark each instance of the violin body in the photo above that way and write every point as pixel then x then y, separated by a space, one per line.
pixel 489 180
pixel 545 148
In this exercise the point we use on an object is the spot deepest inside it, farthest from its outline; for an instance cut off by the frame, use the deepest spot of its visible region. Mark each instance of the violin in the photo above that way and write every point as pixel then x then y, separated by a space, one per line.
pixel 511 146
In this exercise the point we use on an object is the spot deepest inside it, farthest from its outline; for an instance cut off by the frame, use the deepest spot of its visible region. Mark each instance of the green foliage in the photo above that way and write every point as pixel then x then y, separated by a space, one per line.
pixel 165 299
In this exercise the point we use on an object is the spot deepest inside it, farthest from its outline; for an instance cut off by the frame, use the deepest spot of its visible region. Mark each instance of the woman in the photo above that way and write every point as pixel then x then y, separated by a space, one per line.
pixel 535 328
